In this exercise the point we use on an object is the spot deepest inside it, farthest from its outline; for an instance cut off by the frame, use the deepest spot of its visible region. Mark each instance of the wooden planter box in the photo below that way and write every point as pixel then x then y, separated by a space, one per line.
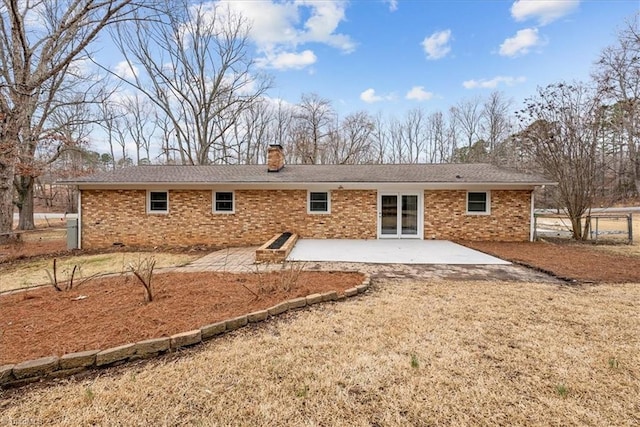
pixel 279 255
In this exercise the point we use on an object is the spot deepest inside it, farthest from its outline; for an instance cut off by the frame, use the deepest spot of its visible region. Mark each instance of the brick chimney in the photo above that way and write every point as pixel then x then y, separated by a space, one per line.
pixel 275 158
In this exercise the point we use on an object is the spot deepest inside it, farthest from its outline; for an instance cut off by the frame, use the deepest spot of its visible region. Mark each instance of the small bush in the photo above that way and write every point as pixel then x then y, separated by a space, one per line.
pixel 65 285
pixel 143 270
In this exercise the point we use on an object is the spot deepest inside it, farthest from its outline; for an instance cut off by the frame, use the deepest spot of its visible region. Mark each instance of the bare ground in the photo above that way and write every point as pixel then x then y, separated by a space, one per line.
pixel 405 353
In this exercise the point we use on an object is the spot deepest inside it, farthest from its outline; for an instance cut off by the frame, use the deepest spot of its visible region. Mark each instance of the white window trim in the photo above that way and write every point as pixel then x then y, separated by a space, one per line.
pixel 233 202
pixel 149 211
pixel 309 211
pixel 487 212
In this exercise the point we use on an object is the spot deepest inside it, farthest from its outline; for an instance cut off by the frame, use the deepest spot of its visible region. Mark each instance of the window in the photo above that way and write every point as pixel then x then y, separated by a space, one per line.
pixel 478 203
pixel 319 202
pixel 223 202
pixel 158 201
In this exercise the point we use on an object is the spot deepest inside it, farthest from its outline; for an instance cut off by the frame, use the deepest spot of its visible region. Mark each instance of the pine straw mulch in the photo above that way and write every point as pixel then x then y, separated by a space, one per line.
pixel 566 260
pixel 16 251
pixel 44 322
pixel 411 353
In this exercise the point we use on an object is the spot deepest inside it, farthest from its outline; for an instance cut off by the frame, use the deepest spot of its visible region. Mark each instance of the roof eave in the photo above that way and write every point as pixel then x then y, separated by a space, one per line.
pixel 307 184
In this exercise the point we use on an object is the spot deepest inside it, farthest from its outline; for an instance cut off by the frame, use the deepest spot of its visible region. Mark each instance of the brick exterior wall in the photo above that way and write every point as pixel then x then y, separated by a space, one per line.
pixel 120 216
pixel 445 216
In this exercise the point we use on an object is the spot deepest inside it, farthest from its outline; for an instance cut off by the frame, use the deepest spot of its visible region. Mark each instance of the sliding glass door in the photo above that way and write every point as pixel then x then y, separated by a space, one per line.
pixel 399 215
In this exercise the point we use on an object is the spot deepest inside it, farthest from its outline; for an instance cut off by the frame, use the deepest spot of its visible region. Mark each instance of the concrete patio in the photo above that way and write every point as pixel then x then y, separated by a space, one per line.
pixel 444 261
pixel 390 251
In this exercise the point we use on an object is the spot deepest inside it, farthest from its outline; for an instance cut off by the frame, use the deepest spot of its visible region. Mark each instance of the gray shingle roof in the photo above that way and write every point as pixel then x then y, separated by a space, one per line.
pixel 257 174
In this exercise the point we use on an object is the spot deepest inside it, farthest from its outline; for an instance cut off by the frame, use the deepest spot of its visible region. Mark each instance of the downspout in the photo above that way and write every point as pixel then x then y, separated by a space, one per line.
pixel 532 225
pixel 79 218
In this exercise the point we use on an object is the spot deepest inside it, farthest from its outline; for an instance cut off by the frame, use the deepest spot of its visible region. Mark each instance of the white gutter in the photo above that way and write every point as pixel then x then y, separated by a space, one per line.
pixel 311 185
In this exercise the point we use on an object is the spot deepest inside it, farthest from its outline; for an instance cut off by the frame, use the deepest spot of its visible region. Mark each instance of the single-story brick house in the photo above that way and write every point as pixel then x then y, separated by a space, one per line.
pixel 232 205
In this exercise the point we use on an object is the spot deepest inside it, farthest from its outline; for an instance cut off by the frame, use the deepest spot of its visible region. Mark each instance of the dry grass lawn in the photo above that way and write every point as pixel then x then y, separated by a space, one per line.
pixel 405 353
pixel 33 273
pixel 618 225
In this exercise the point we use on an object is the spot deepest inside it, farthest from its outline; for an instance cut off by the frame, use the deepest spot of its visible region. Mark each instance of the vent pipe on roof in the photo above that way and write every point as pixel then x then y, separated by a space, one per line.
pixel 275 158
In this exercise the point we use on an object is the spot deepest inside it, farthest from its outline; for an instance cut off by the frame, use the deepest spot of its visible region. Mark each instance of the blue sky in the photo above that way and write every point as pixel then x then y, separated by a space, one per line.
pixel 389 56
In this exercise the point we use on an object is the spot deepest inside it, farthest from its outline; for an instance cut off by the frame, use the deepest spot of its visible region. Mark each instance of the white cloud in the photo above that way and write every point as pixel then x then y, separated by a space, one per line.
pixel 323 22
pixel 287 60
pixel 393 5
pixel 545 11
pixel 279 27
pixel 369 96
pixel 493 83
pixel 126 71
pixel 436 45
pixel 417 93
pixel 521 43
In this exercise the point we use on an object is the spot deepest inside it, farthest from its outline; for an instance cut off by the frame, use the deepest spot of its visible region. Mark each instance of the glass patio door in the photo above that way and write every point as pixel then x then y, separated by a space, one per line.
pixel 399 215
pixel 389 215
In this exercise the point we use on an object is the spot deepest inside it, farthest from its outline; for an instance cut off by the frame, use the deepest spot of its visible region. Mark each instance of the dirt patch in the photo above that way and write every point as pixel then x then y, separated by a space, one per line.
pixel 44 322
pixel 569 261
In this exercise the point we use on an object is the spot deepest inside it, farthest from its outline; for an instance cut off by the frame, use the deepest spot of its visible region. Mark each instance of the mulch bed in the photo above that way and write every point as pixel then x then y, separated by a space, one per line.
pixel 44 322
pixel 568 261
pixel 18 251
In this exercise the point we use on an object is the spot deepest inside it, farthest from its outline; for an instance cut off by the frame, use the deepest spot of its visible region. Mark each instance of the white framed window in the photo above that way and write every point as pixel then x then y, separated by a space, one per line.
pixel 224 202
pixel 478 203
pixel 318 202
pixel 158 201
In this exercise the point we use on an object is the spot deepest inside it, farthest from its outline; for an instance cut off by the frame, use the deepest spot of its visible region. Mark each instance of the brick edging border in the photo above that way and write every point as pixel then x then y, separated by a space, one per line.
pixel 16 375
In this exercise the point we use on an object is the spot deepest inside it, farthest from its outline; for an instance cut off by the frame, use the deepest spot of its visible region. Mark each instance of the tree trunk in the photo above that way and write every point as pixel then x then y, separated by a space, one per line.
pixel 25 203
pixel 6 198
pixel 576 226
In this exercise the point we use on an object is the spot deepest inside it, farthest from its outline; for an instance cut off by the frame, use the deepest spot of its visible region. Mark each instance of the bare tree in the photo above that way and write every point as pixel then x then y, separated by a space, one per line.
pixel 247 140
pixel 113 120
pixel 192 62
pixel 380 139
pixel 140 125
pixel 68 157
pixel 39 41
pixel 468 113
pixel 496 124
pixel 397 143
pixel 312 122
pixel 617 73
pixel 351 141
pixel 561 126
pixel 283 118
pixel 167 141
pixel 415 134
pixel 438 141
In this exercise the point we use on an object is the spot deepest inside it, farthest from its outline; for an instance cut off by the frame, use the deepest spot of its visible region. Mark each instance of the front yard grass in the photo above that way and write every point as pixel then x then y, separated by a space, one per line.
pixel 405 353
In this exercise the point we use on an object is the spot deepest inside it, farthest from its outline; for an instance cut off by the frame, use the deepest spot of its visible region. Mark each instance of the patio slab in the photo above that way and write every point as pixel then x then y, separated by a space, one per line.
pixel 389 252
